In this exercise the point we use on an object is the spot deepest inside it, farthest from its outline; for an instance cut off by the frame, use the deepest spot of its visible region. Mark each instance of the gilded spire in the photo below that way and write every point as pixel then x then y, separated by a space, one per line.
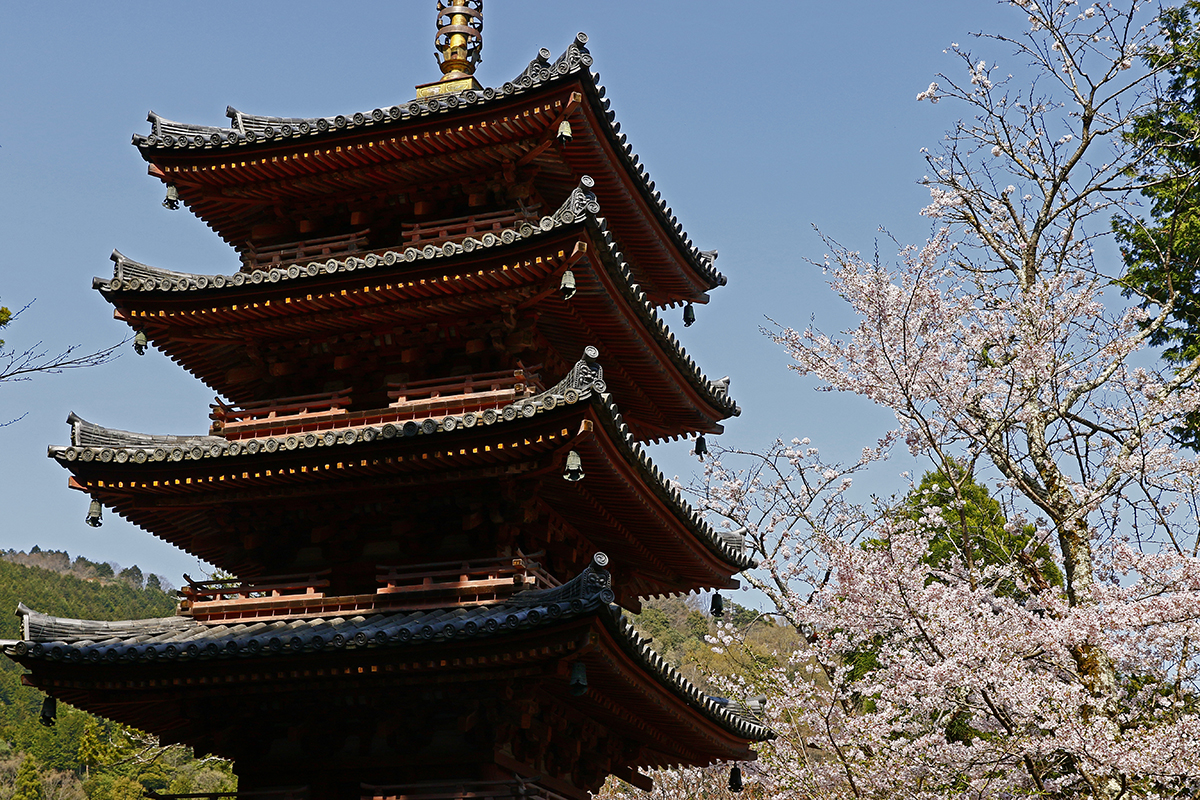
pixel 458 46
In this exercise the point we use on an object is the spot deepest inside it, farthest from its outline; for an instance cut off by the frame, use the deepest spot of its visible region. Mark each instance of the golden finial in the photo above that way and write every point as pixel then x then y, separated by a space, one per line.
pixel 458 46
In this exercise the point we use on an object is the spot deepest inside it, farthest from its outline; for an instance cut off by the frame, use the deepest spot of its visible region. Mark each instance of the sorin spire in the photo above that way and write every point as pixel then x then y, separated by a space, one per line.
pixel 458 46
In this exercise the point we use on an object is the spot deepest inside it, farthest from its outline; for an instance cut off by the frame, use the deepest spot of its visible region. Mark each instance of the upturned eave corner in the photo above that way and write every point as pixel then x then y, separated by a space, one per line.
pixel 170 140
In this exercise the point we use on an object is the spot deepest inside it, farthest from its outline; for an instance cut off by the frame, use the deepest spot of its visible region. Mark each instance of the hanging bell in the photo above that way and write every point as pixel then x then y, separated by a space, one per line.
pixel 567 287
pixel 735 780
pixel 578 681
pixel 689 315
pixel 172 201
pixel 564 133
pixel 574 470
pixel 701 447
pixel 139 343
pixel 93 517
pixel 717 607
pixel 49 712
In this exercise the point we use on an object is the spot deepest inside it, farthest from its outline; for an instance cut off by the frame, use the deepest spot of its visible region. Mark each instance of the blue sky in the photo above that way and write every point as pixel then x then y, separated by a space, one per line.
pixel 757 122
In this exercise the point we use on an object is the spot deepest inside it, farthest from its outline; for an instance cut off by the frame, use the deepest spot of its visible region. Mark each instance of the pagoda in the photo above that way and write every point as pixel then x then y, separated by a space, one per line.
pixel 436 364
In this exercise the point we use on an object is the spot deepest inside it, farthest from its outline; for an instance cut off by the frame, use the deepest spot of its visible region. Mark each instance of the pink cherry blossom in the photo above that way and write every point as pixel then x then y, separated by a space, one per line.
pixel 1007 357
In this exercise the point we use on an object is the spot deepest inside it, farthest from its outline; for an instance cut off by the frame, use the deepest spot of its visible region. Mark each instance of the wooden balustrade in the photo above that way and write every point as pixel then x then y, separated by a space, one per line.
pixel 435 232
pixel 462 582
pixel 235 588
pixel 304 251
pixel 409 587
pixel 297 793
pixel 236 599
pixel 264 415
pixel 415 234
pixel 468 393
pixel 460 790
pixel 412 400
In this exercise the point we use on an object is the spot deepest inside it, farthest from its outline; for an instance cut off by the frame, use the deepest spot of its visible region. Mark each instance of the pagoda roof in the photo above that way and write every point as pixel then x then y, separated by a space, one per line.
pixel 421 279
pixel 208 164
pixel 135 647
pixel 616 462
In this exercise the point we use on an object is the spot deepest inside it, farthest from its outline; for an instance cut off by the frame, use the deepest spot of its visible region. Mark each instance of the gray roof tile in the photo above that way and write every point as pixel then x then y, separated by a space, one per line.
pixel 132 642
pixel 580 207
pixel 91 442
pixel 248 131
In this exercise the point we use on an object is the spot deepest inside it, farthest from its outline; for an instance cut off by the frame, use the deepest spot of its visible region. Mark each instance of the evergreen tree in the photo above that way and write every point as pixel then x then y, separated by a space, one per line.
pixel 1162 252
pixel 975 532
pixel 92 745
pixel 29 781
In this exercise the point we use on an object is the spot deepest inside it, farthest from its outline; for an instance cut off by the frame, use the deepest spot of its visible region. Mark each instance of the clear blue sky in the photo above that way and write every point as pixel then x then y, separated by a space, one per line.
pixel 757 121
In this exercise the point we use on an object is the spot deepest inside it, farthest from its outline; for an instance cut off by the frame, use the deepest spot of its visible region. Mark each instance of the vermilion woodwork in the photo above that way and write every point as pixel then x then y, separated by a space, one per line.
pixel 437 360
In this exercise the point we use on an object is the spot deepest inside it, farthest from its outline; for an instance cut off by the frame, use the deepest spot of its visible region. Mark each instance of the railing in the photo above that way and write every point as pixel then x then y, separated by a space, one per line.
pixel 266 415
pixel 412 400
pixel 416 234
pixel 408 587
pixel 304 251
pixel 468 393
pixel 234 598
pixel 298 793
pixel 452 229
pixel 236 588
pixel 462 582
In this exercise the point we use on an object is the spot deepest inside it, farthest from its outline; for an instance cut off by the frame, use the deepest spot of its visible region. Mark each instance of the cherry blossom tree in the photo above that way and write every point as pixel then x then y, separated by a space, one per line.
pixel 1009 360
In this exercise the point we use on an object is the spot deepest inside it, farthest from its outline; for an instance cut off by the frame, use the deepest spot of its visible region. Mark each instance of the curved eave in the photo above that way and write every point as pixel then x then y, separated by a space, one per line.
pixel 741 725
pixel 91 459
pixel 644 219
pixel 665 489
pixel 133 282
pixel 623 664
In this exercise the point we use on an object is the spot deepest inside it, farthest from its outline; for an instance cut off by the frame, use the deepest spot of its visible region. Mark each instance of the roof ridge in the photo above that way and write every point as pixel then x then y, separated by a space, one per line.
pixel 130 275
pixel 92 641
pixel 249 129
pixel 585 381
pixel 744 725
pixel 581 206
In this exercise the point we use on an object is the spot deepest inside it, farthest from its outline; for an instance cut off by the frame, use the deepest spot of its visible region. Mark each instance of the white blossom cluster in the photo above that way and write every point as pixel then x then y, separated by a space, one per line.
pixel 1055 656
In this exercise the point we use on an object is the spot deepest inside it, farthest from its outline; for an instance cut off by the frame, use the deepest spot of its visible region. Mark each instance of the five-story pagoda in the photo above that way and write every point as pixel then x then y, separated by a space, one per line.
pixel 436 366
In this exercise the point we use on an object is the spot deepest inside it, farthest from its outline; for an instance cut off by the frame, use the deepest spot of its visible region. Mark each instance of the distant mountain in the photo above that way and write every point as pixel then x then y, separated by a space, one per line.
pixel 50 582
pixel 61 562
pixel 54 583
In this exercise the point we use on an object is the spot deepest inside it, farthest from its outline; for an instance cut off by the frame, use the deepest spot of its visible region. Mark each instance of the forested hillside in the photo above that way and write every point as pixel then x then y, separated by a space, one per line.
pixel 86 758
pixel 82 756
pixel 678 626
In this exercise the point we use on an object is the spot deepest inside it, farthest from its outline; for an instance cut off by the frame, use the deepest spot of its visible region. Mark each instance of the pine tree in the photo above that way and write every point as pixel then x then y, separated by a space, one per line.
pixel 29 781
pixel 92 745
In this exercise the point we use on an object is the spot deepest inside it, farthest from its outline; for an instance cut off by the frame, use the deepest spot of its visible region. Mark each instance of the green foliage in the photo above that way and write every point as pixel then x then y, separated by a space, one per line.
pixel 29 781
pixel 60 561
pixel 678 630
pixel 70 596
pixel 113 787
pixel 118 762
pixel 1162 253
pixel 132 576
pixel 976 533
pixel 93 745
pixel 697 625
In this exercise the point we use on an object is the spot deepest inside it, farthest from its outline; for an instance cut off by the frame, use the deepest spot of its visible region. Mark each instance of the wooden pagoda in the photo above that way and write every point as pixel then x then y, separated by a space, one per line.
pixel 436 367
